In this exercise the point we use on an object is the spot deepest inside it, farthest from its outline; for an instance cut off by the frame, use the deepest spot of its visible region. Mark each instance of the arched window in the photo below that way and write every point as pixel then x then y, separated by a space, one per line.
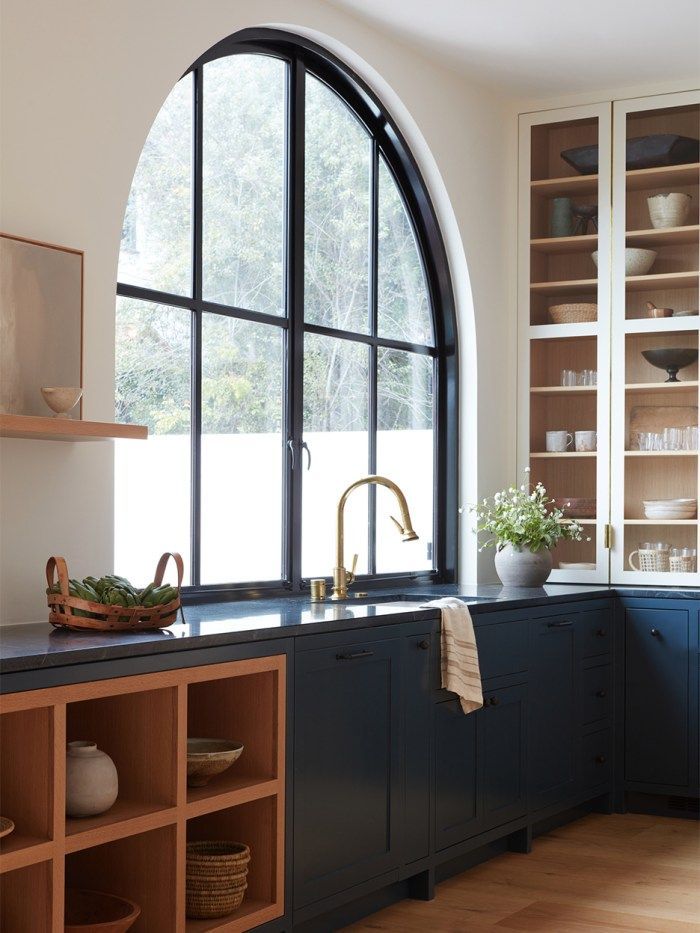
pixel 285 325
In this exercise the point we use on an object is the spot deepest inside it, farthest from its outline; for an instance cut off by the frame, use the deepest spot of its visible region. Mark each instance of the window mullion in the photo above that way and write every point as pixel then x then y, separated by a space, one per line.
pixel 196 404
pixel 295 331
pixel 373 355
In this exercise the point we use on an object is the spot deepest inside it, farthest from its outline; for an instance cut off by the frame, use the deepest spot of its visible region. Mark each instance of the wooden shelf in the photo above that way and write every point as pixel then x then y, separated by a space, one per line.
pixel 67 429
pixel 561 331
pixel 645 283
pixel 250 914
pixel 566 244
pixel 19 850
pixel 563 455
pixel 643 388
pixel 125 818
pixel 657 521
pixel 559 391
pixel 661 453
pixel 574 184
pixel 230 793
pixel 665 237
pixel 675 175
pixel 570 287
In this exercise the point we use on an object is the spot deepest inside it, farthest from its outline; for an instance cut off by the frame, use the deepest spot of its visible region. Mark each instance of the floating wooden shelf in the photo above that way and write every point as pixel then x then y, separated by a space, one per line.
pixel 558 391
pixel 563 455
pixel 67 429
pixel 574 184
pixel 566 244
pixel 645 283
pixel 643 388
pixel 675 175
pixel 669 235
pixel 571 287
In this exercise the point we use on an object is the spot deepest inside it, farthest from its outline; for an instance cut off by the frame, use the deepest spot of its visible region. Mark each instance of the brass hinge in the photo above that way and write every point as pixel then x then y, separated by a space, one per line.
pixel 608 537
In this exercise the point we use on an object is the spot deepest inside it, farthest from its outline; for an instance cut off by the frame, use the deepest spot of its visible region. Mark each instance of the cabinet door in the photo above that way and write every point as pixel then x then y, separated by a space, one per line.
pixel 346 766
pixel 657 696
pixel 418 712
pixel 553 727
pixel 456 774
pixel 503 724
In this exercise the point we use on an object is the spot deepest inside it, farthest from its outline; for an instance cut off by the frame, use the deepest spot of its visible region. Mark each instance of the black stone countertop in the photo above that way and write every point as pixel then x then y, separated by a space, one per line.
pixel 36 646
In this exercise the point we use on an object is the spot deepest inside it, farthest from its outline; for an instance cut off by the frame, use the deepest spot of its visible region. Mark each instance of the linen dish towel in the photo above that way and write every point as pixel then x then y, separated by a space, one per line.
pixel 459 659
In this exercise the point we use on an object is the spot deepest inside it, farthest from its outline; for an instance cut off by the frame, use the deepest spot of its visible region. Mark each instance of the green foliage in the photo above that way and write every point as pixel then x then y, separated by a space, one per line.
pixel 524 518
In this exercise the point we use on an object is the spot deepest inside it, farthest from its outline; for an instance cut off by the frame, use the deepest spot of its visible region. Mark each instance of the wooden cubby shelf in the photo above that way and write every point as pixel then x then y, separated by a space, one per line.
pixel 137 848
pixel 68 429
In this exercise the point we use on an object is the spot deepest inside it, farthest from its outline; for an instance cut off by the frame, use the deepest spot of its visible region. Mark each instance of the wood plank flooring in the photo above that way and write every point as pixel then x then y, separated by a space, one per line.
pixel 619 872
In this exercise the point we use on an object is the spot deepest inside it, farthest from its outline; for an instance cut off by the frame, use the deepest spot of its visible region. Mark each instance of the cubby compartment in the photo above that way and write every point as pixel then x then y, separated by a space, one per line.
pixel 566 478
pixel 258 825
pixel 640 372
pixel 561 412
pixel 243 709
pixel 548 140
pixel 548 359
pixel 651 476
pixel 576 552
pixel 141 868
pixel 677 536
pixel 138 730
pixel 26 899
pixel 27 777
pixel 680 296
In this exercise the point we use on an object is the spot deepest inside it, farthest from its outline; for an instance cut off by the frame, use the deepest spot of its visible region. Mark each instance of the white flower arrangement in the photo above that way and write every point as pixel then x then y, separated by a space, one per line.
pixel 525 518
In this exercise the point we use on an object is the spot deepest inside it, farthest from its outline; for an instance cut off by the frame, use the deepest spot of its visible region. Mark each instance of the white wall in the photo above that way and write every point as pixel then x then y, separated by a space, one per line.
pixel 81 84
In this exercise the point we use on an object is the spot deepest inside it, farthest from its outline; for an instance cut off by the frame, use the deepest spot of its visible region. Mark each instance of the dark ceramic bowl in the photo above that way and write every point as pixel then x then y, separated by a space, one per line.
pixel 671 359
pixel 94 912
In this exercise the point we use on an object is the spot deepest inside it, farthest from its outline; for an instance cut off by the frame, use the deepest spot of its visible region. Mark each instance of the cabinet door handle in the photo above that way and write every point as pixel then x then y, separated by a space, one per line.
pixel 424 645
pixel 600 759
pixel 655 633
pixel 493 701
pixel 601 633
pixel 602 693
pixel 559 624
pixel 354 655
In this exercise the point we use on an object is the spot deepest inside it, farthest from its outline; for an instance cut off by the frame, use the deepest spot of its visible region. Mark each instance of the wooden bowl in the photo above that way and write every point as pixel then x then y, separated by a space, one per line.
pixel 94 912
pixel 576 507
pixel 6 826
pixel 208 757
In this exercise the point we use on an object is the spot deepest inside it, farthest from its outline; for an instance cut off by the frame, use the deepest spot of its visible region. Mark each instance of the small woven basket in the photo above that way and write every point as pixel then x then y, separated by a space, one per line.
pixel 63 606
pixel 216 878
pixel 573 313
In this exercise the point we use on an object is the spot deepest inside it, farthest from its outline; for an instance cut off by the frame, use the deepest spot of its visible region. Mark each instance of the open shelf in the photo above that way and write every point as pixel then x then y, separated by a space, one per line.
pixel 570 287
pixel 67 429
pixel 643 388
pixel 561 331
pixel 572 184
pixel 648 325
pixel 566 244
pixel 557 391
pixel 653 237
pixel 674 175
pixel 644 283
pixel 26 900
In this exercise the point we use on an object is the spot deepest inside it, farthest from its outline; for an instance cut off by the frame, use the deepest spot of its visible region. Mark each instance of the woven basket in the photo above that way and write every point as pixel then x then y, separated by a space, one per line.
pixel 573 313
pixel 63 606
pixel 216 878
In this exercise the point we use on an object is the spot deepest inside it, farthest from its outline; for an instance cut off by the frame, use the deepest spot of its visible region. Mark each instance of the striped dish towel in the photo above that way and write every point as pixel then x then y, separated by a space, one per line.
pixel 459 659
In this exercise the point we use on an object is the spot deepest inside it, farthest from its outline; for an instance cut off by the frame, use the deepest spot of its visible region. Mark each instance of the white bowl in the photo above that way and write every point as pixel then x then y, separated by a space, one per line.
pixel 637 261
pixel 61 398
pixel 668 210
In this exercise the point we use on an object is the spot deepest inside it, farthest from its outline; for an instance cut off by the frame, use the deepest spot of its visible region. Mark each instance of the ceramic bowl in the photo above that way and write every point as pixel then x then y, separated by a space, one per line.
pixel 668 210
pixel 576 507
pixel 61 399
pixel 6 826
pixel 637 261
pixel 94 912
pixel 208 757
pixel 670 509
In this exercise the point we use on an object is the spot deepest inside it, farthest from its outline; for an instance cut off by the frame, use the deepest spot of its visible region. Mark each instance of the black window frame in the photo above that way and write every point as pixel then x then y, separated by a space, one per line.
pixel 303 55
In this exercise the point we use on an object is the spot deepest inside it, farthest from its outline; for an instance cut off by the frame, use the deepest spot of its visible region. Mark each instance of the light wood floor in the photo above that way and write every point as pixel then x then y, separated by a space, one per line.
pixel 612 873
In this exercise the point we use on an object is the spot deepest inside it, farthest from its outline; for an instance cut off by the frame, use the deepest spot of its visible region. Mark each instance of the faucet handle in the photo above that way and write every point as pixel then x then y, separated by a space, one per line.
pixel 397 523
pixel 350 576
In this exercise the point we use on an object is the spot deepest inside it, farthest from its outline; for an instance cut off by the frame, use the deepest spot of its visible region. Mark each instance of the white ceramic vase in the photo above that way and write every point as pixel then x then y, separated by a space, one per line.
pixel 92 783
pixel 668 210
pixel 521 566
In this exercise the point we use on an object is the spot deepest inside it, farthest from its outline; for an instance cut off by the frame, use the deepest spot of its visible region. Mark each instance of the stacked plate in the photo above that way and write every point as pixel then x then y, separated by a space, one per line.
pixel 670 509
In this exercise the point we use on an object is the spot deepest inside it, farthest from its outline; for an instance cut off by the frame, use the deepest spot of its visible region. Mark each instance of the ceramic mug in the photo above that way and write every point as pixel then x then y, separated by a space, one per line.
pixel 586 440
pixel 653 557
pixel 558 441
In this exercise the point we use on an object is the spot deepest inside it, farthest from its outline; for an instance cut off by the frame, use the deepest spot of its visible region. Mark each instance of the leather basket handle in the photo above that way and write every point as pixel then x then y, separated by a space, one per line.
pixel 162 564
pixel 57 565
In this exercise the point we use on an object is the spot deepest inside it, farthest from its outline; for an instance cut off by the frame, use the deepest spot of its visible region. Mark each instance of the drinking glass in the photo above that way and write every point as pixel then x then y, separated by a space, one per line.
pixel 690 437
pixel 674 438
pixel 568 377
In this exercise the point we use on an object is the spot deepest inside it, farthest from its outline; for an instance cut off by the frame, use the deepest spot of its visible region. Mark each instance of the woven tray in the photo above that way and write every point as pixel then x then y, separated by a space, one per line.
pixel 103 618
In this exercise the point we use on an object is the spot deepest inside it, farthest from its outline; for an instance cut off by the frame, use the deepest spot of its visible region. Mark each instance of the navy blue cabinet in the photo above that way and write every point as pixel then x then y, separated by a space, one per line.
pixel 553 722
pixel 347 775
pixel 503 727
pixel 657 696
pixel 418 727
pixel 457 811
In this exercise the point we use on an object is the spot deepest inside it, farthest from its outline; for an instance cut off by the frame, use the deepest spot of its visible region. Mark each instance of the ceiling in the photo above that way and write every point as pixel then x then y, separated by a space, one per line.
pixel 545 48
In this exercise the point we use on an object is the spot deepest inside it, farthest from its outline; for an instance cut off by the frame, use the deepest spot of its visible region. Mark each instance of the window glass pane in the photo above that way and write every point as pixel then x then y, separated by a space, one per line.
pixel 242 450
pixel 243 182
pixel 405 454
pixel 403 308
pixel 336 383
pixel 337 165
pixel 156 245
pixel 152 478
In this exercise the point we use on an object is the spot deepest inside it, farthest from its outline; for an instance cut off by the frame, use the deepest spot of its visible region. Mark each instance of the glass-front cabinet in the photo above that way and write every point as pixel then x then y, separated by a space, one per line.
pixel 608 269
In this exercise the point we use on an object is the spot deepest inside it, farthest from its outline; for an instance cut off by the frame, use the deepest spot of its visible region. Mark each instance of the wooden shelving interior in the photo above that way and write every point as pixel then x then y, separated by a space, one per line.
pixel 137 848
pixel 67 429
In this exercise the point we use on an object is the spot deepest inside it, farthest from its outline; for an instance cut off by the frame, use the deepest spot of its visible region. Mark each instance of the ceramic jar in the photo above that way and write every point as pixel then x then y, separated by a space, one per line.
pixel 561 218
pixel 668 210
pixel 92 783
pixel 521 566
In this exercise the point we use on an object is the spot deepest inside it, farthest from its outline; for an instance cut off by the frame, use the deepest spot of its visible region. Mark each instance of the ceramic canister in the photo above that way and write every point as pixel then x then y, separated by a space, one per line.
pixel 92 783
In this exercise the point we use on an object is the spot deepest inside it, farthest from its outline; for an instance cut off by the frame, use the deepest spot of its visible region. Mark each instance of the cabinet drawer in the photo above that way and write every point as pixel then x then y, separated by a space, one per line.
pixel 596 683
pixel 597 759
pixel 595 632
pixel 502 648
